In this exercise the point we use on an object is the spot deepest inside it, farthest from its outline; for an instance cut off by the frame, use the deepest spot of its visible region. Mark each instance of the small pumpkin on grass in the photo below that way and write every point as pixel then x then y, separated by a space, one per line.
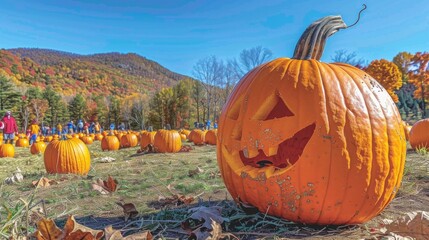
pixel 7 150
pixel 419 134
pixel 312 142
pixel 38 147
pixel 167 141
pixel 110 143
pixel 67 156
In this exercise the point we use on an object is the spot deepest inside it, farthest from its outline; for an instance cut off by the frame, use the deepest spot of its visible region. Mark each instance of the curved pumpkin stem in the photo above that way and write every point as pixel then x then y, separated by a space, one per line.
pixel 312 42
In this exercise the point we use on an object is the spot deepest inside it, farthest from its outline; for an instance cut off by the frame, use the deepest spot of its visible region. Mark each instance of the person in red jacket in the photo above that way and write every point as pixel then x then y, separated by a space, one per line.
pixel 10 128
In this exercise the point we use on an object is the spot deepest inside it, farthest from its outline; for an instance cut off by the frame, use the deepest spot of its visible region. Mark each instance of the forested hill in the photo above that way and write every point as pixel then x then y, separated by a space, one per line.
pixel 99 74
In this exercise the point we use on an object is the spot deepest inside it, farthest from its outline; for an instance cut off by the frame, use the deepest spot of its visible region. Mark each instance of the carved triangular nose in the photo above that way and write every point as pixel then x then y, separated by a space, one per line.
pixel 280 110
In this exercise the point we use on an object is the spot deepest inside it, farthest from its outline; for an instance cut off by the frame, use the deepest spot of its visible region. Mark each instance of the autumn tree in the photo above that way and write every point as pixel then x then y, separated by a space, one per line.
pixel 161 111
pixel 403 61
pixel 406 101
pixel 77 107
pixel 387 74
pixel 419 77
pixel 181 102
pixel 8 96
pixel 114 111
pixel 198 97
pixel 139 112
pixel 57 111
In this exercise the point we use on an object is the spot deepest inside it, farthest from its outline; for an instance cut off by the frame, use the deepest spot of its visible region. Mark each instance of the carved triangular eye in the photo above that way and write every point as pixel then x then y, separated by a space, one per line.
pixel 280 110
pixel 272 107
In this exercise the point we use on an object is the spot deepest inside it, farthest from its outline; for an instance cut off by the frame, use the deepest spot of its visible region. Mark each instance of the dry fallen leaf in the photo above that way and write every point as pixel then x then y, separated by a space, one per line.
pixel 204 223
pixel 194 172
pixel 413 225
pixel 130 210
pixel 174 200
pixel 105 187
pixel 112 234
pixel 48 230
pixel 43 182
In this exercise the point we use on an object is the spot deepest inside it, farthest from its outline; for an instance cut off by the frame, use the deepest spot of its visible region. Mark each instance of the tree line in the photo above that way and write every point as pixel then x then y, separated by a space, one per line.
pixel 406 79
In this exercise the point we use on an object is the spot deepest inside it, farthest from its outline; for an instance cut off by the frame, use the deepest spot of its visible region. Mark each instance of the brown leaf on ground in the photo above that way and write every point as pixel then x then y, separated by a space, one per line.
pixel 105 187
pixel 130 210
pixel 413 225
pixel 47 230
pixel 194 172
pixel 175 200
pixel 74 229
pixel 214 233
pixel 186 148
pixel 112 234
pixel 204 223
pixel 43 182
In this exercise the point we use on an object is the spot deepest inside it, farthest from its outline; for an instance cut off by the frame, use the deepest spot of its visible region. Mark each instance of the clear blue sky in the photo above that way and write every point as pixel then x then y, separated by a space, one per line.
pixel 178 33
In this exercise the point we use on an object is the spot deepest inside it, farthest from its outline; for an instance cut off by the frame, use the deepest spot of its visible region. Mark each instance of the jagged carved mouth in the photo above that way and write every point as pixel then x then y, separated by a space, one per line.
pixel 288 151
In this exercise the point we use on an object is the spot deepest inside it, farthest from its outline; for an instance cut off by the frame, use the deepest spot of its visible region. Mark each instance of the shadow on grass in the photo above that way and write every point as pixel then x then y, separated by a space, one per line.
pixel 166 223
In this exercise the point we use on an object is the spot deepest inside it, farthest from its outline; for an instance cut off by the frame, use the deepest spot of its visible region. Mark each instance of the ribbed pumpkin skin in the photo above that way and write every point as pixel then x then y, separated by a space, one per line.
pixel 147 138
pixel 351 164
pixel 98 137
pixel 211 137
pixel 129 140
pixel 198 137
pixel 67 156
pixel 37 147
pixel 407 129
pixel 110 143
pixel 419 134
pixel 7 150
pixel 22 142
pixel 167 141
pixel 87 139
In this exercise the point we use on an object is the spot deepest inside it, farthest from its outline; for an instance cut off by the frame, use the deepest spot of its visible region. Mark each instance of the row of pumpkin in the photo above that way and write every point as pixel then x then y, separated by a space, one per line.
pixel 69 153
pixel 163 140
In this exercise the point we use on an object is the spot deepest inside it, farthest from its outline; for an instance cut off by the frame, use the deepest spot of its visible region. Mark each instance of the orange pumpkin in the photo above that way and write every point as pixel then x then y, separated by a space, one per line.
pixel 419 134
pixel 48 138
pixel 167 141
pixel 146 138
pixel 7 150
pixel 211 137
pixel 87 139
pixel 312 142
pixel 407 129
pixel 38 147
pixel 197 136
pixel 110 143
pixel 129 140
pixel 98 137
pixel 67 156
pixel 22 142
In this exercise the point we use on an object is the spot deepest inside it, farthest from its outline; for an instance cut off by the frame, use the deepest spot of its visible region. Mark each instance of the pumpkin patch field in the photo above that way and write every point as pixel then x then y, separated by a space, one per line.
pixel 157 193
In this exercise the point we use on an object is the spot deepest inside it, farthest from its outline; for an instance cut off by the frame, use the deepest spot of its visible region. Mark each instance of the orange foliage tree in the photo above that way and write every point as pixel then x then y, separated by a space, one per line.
pixel 387 74
pixel 419 77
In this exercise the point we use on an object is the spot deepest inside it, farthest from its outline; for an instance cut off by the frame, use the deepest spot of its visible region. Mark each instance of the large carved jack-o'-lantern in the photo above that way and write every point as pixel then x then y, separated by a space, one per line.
pixel 312 142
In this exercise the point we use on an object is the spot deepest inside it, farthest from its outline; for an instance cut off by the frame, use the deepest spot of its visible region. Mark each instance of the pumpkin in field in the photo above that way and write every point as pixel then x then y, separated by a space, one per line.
pixel 129 140
pixel 38 147
pixel 312 142
pixel 211 136
pixel 167 141
pixel 48 138
pixel 67 156
pixel 407 129
pixel 419 134
pixel 7 150
pixel 197 136
pixel 185 132
pixel 87 139
pixel 110 143
pixel 22 142
pixel 146 138
pixel 98 137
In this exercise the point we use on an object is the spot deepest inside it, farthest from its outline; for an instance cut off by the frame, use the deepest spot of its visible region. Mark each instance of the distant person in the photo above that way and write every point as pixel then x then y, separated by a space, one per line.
pixel 215 125
pixel 59 129
pixel 112 126
pixel 121 126
pixel 70 127
pixel 10 128
pixel 34 131
pixel 80 126
pixel 97 127
pixel 208 124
